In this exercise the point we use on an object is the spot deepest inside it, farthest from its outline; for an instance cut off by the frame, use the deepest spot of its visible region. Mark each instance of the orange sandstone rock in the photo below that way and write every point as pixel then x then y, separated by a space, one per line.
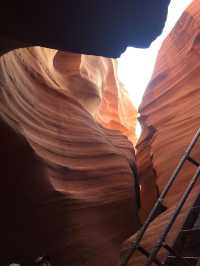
pixel 116 110
pixel 170 116
pixel 68 190
pixel 169 111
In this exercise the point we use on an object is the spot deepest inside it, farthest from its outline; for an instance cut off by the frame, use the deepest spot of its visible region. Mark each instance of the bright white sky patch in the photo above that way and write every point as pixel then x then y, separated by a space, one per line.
pixel 135 66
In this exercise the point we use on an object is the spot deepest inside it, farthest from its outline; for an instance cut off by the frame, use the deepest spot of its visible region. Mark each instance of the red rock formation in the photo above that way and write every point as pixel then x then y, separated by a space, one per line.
pixel 109 102
pixel 169 110
pixel 68 190
pixel 170 116
pixel 116 110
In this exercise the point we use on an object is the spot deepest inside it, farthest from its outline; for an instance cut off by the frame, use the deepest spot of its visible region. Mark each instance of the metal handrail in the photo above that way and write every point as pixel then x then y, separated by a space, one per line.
pixel 136 243
pixel 173 218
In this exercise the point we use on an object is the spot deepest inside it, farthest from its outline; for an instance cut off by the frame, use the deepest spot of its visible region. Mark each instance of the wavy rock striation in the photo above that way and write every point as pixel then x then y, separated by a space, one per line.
pixel 170 116
pixel 169 110
pixel 67 186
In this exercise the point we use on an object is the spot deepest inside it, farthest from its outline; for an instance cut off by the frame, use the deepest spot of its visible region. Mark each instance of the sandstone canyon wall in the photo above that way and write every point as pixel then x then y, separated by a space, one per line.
pixel 170 116
pixel 116 110
pixel 67 187
pixel 169 112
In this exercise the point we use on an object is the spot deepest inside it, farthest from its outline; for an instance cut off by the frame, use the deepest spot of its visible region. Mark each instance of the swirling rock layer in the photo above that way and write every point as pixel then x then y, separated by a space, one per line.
pixel 67 186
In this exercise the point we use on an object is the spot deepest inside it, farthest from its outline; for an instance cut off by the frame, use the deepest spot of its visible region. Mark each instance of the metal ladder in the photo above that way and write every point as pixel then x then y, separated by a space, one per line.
pixel 136 246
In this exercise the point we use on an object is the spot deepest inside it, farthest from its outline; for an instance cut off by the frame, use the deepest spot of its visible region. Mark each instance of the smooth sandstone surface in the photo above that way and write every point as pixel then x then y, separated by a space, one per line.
pixel 116 110
pixel 170 116
pixel 169 112
pixel 67 185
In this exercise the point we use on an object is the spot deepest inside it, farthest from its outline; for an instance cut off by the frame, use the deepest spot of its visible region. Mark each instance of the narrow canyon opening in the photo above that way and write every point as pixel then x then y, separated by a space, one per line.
pixel 135 66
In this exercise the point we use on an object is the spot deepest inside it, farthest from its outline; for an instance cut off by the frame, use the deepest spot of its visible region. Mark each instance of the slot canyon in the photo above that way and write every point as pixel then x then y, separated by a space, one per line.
pixel 77 184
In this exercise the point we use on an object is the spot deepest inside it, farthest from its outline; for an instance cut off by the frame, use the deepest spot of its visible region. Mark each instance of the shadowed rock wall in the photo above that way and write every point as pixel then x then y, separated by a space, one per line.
pixel 102 28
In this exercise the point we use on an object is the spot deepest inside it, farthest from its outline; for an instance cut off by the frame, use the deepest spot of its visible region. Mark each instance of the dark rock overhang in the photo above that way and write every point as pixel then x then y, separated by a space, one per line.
pixel 98 27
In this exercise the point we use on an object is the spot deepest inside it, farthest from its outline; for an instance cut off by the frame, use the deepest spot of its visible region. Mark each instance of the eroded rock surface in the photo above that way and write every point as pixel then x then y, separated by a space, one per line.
pixel 67 186
pixel 170 116
pixel 169 110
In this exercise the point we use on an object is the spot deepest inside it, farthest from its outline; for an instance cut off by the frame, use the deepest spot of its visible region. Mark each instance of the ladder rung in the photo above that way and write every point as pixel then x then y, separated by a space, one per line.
pixel 152 255
pixel 190 159
pixel 184 257
pixel 190 261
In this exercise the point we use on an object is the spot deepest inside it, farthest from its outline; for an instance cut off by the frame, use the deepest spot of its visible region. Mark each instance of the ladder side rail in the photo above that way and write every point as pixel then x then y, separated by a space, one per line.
pixel 185 196
pixel 142 230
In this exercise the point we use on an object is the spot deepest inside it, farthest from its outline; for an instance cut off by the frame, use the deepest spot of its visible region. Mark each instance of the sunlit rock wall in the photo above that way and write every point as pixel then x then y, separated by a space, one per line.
pixel 170 113
pixel 170 116
pixel 67 186
pixel 116 110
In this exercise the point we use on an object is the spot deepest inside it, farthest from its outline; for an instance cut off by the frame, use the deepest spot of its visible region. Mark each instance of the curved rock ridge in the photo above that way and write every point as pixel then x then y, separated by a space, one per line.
pixel 76 196
pixel 116 110
pixel 169 110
